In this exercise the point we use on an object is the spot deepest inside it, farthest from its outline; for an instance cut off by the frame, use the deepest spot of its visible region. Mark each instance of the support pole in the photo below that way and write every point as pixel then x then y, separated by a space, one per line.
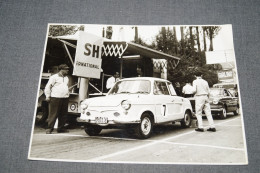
pixel 83 89
pixel 121 67
pixel 67 50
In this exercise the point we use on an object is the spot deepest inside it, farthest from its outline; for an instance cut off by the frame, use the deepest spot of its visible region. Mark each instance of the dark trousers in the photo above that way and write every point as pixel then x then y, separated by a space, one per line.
pixel 58 108
pixel 188 95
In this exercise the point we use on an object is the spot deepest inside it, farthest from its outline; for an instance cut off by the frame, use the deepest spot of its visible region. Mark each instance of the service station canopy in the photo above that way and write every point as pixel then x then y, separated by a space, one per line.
pixel 118 49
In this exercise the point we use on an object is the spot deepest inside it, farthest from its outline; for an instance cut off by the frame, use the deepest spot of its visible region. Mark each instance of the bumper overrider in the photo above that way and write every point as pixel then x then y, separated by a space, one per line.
pixel 109 117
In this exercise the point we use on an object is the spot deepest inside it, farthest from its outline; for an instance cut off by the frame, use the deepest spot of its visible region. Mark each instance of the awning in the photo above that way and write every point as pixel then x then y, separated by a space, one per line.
pixel 121 48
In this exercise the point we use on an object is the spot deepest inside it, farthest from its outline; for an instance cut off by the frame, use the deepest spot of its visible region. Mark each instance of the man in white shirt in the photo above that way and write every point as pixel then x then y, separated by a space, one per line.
pixel 202 91
pixel 112 80
pixel 187 90
pixel 57 94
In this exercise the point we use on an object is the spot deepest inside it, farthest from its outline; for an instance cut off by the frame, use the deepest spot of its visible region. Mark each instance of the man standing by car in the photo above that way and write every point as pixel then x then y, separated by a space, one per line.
pixel 201 89
pixel 57 94
pixel 112 80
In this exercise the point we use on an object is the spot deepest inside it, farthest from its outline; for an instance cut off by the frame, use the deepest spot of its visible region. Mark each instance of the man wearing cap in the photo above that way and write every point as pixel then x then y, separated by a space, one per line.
pixel 202 91
pixel 57 94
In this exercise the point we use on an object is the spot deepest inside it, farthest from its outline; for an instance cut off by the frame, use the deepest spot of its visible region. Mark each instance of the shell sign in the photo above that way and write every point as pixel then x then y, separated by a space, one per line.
pixel 88 56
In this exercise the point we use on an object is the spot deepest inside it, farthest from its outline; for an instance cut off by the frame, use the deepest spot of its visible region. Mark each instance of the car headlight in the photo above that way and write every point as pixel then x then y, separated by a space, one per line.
pixel 73 106
pixel 125 104
pixel 215 102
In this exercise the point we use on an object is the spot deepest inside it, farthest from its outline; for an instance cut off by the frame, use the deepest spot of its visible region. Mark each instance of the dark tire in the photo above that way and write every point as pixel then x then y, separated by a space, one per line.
pixel 236 112
pixel 92 130
pixel 42 114
pixel 223 113
pixel 144 129
pixel 186 122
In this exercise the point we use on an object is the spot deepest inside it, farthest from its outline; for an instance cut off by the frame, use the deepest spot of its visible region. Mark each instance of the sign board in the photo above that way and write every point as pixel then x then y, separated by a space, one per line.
pixel 88 56
pixel 216 57
pixel 225 74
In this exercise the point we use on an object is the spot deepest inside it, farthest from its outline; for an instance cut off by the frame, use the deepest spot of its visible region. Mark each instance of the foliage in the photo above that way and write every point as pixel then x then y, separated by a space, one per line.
pixel 191 59
pixel 60 30
pixel 211 32
pixel 166 41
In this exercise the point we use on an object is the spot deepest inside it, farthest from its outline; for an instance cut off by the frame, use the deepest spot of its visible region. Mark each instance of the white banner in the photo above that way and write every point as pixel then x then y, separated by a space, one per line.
pixel 88 56
pixel 216 57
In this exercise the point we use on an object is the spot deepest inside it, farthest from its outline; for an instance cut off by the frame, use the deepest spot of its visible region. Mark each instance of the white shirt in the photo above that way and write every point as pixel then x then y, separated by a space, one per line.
pixel 201 87
pixel 110 82
pixel 57 86
pixel 188 89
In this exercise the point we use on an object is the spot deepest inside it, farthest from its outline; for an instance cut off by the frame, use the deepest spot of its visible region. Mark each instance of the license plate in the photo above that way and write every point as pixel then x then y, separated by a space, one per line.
pixel 101 120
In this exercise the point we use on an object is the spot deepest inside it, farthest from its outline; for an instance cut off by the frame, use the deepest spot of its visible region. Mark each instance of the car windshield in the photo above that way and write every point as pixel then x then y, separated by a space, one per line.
pixel 131 87
pixel 215 92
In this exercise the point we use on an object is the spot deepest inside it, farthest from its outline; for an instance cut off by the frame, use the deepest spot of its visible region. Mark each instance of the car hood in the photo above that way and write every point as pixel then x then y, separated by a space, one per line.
pixel 110 100
pixel 215 98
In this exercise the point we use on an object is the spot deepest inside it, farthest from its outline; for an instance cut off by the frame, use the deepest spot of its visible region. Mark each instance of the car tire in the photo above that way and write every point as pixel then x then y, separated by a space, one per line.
pixel 42 114
pixel 92 130
pixel 144 129
pixel 186 122
pixel 223 113
pixel 236 112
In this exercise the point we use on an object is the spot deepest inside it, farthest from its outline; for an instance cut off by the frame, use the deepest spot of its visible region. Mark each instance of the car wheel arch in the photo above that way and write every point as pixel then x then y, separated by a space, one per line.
pixel 148 112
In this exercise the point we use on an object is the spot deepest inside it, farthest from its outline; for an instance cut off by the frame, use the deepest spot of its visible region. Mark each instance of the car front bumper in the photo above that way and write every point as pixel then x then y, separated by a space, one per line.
pixel 112 117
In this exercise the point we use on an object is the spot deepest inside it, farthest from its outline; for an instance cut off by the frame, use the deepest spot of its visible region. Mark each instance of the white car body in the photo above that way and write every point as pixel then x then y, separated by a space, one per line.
pixel 160 108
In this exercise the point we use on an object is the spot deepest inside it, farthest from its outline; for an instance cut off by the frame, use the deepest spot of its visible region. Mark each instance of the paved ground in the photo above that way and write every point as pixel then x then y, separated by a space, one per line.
pixel 169 144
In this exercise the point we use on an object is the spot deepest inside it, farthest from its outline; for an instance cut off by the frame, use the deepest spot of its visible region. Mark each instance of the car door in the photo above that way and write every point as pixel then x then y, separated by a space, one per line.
pixel 228 100
pixel 161 98
pixel 175 104
pixel 233 102
pixel 170 105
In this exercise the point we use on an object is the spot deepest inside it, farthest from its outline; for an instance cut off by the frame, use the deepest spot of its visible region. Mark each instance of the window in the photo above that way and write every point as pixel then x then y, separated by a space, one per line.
pixel 160 88
pixel 172 91
pixel 131 87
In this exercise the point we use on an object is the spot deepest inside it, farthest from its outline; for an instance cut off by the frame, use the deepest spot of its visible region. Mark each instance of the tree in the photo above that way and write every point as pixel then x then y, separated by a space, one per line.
pixel 165 41
pixel 60 30
pixel 182 40
pixel 212 31
pixel 198 38
pixel 191 38
pixel 136 34
pixel 204 38
pixel 191 59
pixel 175 41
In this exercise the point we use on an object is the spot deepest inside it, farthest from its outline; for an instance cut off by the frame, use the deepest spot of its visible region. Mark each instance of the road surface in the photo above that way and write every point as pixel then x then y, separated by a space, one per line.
pixel 169 144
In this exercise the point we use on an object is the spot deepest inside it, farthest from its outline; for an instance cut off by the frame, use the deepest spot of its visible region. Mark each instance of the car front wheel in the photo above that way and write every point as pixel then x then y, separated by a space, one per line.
pixel 144 129
pixel 236 112
pixel 92 130
pixel 223 113
pixel 186 122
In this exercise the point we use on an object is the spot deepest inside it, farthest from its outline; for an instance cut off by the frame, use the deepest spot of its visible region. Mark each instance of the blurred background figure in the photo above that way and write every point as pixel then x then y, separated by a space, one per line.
pixel 112 80
pixel 187 90
pixel 178 89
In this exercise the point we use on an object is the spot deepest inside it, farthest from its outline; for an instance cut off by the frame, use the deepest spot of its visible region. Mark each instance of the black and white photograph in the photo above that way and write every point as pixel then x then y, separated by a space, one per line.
pixel 139 94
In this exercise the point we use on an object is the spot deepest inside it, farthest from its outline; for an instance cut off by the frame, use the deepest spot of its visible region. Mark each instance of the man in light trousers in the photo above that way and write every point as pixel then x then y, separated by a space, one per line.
pixel 202 91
